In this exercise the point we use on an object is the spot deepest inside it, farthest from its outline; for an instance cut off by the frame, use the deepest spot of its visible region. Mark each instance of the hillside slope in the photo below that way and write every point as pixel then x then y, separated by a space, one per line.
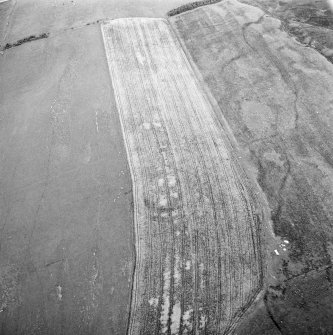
pixel 276 95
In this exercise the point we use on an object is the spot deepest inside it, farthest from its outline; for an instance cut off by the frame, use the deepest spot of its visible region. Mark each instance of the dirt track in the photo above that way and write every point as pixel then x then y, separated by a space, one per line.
pixel 198 260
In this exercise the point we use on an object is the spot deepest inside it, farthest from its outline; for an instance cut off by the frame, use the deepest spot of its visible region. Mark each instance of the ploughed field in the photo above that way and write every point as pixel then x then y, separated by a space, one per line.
pixel 198 260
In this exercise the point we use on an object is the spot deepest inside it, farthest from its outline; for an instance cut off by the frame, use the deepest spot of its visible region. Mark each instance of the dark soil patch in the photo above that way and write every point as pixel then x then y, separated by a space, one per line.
pixel 293 309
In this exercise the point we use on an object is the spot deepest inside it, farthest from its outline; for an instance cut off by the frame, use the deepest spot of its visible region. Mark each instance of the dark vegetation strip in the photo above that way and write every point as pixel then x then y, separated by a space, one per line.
pixel 271 315
pixel 25 40
pixel 191 6
pixel 46 35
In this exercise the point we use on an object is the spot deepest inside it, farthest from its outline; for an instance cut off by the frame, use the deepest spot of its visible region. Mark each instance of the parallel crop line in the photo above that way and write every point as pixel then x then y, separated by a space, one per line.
pixel 193 215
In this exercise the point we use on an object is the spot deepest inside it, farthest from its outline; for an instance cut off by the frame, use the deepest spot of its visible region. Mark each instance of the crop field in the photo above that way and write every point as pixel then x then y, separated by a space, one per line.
pixel 198 263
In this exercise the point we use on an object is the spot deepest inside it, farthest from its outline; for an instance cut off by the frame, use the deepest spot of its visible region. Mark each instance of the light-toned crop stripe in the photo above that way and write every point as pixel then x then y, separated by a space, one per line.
pixel 196 263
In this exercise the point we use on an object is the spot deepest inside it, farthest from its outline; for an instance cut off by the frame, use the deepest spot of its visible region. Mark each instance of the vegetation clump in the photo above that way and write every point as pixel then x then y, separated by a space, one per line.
pixel 191 6
pixel 25 40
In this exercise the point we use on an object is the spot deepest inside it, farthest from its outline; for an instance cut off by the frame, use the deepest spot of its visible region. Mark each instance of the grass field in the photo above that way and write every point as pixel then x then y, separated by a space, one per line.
pixel 198 262
pixel 276 95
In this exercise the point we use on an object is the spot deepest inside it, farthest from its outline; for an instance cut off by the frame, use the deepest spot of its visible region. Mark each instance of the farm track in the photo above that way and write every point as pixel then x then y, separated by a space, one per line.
pixel 197 252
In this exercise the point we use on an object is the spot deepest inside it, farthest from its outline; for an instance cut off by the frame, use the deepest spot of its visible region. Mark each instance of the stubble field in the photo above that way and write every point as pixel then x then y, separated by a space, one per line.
pixel 198 260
